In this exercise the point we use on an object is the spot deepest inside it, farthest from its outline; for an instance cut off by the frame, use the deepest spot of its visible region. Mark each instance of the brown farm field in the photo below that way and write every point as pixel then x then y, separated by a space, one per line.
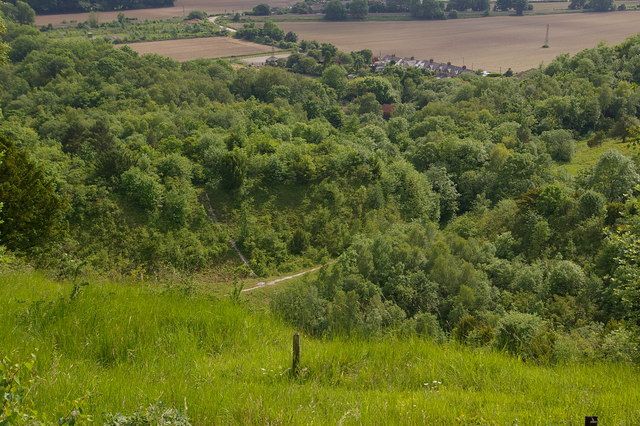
pixel 493 43
pixel 194 48
pixel 181 7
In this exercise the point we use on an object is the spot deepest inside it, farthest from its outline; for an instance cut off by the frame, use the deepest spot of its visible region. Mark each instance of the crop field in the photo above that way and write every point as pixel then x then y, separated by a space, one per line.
pixel 181 7
pixel 194 48
pixel 494 43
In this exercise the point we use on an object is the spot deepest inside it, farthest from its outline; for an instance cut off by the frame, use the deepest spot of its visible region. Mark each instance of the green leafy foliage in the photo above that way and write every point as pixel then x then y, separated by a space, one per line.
pixel 334 10
pixel 154 414
pixel 4 47
pixel 31 213
pixel 427 9
pixel 15 382
pixel 358 9
pixel 18 11
pixel 439 198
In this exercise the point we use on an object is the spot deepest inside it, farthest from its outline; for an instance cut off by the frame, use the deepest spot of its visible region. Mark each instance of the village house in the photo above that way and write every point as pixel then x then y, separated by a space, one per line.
pixel 440 70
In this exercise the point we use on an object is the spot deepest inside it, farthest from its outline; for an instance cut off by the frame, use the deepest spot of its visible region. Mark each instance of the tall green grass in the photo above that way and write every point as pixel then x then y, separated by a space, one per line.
pixel 586 157
pixel 123 346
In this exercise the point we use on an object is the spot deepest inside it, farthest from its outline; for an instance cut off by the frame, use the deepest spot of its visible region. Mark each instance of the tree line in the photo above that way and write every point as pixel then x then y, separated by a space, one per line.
pixel 68 6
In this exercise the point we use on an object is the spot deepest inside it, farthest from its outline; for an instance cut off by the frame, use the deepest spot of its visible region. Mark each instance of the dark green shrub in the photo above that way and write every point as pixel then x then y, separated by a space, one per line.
pixel 525 335
pixel 197 14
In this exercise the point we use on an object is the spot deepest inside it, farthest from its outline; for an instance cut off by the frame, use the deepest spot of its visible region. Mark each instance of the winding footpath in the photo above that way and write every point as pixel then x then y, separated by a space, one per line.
pixel 214 218
pixel 263 284
pixel 212 19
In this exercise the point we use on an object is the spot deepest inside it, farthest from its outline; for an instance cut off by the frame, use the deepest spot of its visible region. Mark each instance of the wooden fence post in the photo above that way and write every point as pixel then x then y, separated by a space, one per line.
pixel 295 366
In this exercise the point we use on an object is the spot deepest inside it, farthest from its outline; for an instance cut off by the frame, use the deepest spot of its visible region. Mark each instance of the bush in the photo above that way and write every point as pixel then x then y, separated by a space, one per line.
pixel 620 346
pixel 15 382
pixel 32 208
pixel 427 325
pixel 335 11
pixel 596 139
pixel 142 189
pixel 301 306
pixel 614 175
pixel 591 204
pixel 427 9
pixel 526 335
pixel 566 278
pixel 560 144
pixel 197 14
pixel 358 9
pixel 452 14
pixel 261 10
pixel 301 8
pixel 154 414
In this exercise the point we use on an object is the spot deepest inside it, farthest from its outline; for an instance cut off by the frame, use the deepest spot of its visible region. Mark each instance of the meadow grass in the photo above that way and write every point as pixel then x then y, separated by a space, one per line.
pixel 586 157
pixel 122 346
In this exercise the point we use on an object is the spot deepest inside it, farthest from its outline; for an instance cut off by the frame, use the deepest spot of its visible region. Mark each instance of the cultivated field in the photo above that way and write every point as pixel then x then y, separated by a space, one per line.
pixel 208 47
pixel 181 7
pixel 492 43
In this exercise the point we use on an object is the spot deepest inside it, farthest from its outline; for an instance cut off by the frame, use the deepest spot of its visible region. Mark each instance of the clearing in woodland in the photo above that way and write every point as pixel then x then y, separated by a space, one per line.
pixel 489 43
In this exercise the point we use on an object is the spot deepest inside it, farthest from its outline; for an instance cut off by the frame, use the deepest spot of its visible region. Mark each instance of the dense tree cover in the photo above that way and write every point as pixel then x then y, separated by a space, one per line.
pixel 519 6
pixel 462 5
pixel 358 9
pixel 595 5
pixel 269 34
pixel 4 47
pixel 55 6
pixel 427 9
pixel 262 9
pixel 540 264
pixel 302 8
pixel 450 217
pixel 31 206
pixel 18 11
pixel 391 6
pixel 334 10
pixel 316 59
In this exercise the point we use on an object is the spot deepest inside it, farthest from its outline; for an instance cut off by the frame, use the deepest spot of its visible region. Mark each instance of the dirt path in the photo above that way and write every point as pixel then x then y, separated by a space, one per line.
pixel 263 284
pixel 214 218
pixel 212 19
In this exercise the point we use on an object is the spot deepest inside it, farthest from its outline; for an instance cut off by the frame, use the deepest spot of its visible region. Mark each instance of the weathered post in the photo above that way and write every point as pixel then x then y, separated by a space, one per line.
pixel 546 39
pixel 591 421
pixel 295 365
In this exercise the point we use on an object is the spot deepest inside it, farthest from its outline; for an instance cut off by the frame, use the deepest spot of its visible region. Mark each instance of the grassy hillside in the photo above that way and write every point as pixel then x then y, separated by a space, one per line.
pixel 119 347
pixel 586 157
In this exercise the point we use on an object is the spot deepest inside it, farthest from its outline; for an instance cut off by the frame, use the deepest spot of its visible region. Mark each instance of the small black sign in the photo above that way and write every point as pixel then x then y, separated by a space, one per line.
pixel 591 421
